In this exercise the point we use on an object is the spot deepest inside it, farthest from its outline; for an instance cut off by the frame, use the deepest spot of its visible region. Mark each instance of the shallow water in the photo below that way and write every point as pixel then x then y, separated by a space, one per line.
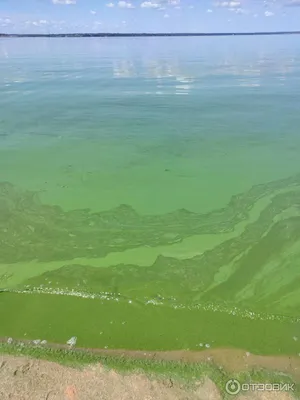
pixel 180 156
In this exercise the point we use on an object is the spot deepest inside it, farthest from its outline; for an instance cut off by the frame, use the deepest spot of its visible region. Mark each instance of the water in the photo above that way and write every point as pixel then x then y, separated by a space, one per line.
pixel 180 156
pixel 159 124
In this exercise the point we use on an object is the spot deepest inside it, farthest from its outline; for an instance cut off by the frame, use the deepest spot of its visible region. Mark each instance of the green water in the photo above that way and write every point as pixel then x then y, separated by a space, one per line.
pixel 163 173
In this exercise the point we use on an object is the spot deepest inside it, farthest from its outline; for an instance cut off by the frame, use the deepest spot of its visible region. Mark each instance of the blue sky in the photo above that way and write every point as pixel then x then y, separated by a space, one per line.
pixel 59 16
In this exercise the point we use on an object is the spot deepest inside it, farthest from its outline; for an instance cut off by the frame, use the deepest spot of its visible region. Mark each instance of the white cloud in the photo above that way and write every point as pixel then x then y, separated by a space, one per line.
pixel 110 5
pixel 239 10
pixel 150 4
pixel 66 2
pixel 93 12
pixel 125 4
pixel 269 14
pixel 166 16
pixel 40 23
pixel 6 22
pixel 228 4
pixel 160 4
pixel 209 11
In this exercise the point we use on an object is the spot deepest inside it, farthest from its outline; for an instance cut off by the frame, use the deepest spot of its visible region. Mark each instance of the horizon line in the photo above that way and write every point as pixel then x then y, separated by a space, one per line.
pixel 148 34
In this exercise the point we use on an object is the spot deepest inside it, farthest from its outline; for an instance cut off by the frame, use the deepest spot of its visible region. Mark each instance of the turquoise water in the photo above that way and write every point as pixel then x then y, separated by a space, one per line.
pixel 180 156
pixel 159 124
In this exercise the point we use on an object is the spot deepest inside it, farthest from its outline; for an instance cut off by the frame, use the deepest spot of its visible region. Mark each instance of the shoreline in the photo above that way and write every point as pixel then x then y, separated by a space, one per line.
pixel 230 359
pixel 117 35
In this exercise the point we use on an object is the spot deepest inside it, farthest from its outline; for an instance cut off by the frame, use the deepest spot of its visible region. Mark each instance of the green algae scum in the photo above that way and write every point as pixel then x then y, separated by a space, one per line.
pixel 235 294
pixel 131 226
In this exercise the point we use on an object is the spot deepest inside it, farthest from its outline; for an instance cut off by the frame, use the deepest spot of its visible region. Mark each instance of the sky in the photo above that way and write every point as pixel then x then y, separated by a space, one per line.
pixel 62 16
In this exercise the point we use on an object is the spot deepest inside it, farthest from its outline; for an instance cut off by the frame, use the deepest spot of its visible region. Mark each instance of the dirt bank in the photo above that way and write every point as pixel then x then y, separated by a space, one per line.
pixel 22 378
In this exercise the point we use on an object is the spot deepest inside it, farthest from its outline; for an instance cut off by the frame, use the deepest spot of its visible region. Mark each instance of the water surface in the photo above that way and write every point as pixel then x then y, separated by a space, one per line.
pixel 155 175
pixel 156 123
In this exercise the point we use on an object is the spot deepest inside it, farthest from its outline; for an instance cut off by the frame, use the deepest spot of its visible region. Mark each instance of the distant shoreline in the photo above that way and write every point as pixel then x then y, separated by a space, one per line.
pixel 116 35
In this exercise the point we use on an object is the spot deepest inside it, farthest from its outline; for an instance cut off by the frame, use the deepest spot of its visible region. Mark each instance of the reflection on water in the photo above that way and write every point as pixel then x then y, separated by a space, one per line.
pixel 168 71
pixel 253 64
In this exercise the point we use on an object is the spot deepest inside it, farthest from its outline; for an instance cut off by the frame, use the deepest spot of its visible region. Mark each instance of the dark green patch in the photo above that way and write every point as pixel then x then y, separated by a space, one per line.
pixel 121 325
